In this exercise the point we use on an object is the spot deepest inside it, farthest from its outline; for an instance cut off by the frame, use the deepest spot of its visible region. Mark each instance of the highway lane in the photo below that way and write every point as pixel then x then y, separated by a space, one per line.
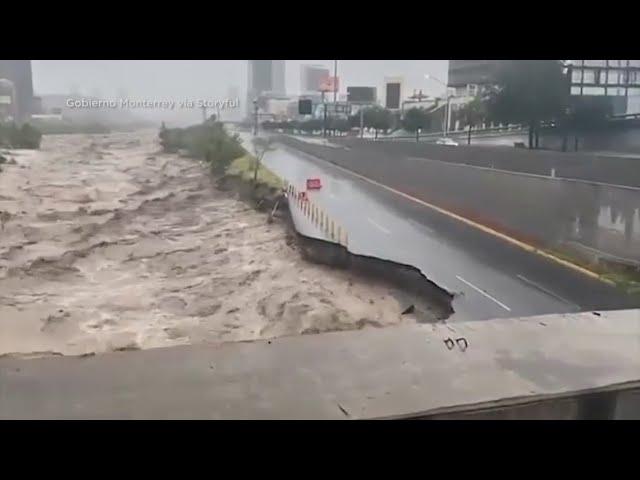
pixel 620 170
pixel 490 278
pixel 377 230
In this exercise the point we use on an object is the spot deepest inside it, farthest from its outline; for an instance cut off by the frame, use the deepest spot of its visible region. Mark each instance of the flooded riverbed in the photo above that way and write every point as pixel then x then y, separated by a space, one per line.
pixel 109 244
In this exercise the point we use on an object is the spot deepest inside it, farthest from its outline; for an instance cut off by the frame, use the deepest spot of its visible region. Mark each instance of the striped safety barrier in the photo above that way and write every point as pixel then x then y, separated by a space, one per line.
pixel 316 215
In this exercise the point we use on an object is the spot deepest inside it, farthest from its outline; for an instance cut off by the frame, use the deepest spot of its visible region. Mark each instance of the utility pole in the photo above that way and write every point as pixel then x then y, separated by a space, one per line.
pixel 335 81
pixel 324 119
pixel 204 114
pixel 445 121
pixel 446 115
pixel 361 121
pixel 255 118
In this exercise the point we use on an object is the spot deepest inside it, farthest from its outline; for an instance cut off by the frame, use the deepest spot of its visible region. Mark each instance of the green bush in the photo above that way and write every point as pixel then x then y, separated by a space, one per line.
pixel 209 141
pixel 30 137
pixel 24 137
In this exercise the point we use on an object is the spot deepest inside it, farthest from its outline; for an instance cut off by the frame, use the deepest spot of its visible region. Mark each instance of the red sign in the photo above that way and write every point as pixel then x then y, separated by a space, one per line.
pixel 313 184
pixel 330 84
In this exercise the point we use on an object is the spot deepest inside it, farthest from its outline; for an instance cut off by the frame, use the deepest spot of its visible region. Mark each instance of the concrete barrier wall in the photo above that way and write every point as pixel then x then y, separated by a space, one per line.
pixel 605 169
pixel 550 213
pixel 617 404
pixel 625 140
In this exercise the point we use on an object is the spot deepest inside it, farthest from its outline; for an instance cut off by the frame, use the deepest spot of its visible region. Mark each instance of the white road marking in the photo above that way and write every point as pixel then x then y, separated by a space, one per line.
pixel 548 292
pixel 420 225
pixel 482 292
pixel 379 227
pixel 513 241
pixel 534 175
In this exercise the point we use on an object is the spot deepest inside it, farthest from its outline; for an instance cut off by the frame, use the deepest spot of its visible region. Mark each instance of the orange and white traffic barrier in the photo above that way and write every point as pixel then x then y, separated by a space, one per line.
pixel 317 216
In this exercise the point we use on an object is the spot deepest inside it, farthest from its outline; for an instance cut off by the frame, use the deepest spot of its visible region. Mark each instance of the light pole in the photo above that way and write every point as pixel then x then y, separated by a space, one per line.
pixel 335 80
pixel 324 116
pixel 445 127
pixel 255 117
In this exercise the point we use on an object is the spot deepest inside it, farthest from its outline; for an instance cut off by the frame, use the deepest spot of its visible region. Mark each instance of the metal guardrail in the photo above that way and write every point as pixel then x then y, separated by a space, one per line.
pixel 458 133
pixel 627 116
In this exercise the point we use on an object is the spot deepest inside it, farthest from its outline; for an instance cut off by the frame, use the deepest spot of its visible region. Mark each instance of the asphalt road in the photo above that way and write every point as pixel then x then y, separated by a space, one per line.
pixel 620 170
pixel 490 278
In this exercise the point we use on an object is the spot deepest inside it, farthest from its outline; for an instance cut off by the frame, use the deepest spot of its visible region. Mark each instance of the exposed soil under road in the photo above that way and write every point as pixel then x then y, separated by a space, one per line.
pixel 110 245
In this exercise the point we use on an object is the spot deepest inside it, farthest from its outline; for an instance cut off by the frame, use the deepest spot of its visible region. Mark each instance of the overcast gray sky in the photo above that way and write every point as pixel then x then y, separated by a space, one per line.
pixel 209 79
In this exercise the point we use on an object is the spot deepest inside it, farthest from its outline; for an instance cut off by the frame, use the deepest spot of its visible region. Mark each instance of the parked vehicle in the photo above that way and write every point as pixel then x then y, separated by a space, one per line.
pixel 446 141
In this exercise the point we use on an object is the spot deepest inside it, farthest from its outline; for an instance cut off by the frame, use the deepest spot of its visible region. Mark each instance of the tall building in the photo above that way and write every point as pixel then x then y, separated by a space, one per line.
pixel 18 72
pixel 233 94
pixel 312 77
pixel 393 92
pixel 7 100
pixel 468 77
pixel 265 77
pixel 616 82
pixel 278 86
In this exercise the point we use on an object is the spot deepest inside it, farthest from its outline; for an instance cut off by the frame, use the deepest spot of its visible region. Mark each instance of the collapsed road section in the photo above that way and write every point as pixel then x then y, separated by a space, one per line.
pixel 489 277
pixel 323 240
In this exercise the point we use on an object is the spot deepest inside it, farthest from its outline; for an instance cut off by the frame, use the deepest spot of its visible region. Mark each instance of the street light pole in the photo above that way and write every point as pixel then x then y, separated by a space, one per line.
pixel 335 80
pixel 324 116
pixel 445 126
pixel 447 116
pixel 255 118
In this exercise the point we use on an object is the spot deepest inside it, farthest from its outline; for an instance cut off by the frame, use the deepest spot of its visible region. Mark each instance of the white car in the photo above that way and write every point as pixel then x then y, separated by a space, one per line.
pixel 446 141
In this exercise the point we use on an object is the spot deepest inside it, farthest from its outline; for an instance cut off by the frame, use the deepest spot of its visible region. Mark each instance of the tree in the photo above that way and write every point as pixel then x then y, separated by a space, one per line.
pixel 311 125
pixel 589 113
pixel 528 92
pixel 354 121
pixel 414 119
pixel 339 124
pixel 377 118
pixel 473 113
pixel 585 113
pixel 261 146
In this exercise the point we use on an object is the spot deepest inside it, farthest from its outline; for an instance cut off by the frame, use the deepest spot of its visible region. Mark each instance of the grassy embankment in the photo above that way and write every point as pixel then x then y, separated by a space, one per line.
pixel 244 168
pixel 626 278
pixel 222 152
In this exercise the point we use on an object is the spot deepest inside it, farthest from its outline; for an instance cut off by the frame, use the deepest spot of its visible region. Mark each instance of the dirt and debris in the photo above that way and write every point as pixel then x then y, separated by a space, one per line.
pixel 110 245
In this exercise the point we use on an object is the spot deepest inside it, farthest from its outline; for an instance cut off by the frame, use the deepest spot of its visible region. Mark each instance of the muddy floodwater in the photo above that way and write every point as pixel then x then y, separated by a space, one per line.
pixel 108 244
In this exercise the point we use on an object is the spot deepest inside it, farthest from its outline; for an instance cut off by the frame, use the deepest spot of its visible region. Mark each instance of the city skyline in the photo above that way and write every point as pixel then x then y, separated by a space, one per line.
pixel 166 79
